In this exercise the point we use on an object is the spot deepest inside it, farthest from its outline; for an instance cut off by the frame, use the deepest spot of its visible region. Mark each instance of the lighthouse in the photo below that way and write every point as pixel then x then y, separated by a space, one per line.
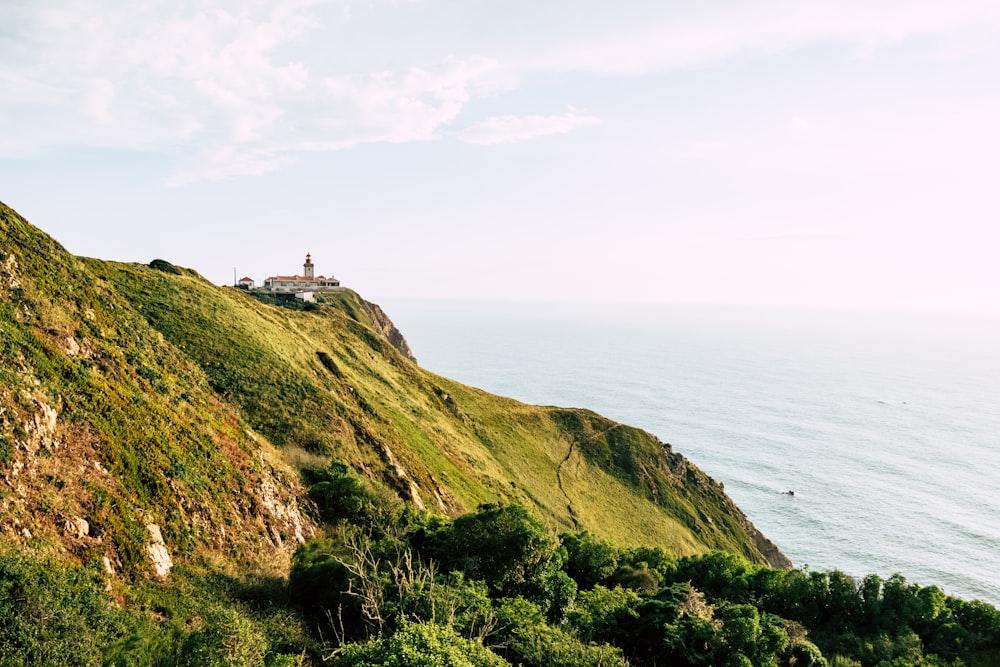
pixel 307 282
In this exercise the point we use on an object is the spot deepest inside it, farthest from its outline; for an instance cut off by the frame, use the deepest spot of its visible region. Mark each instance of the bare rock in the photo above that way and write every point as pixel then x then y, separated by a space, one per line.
pixel 8 272
pixel 157 551
pixel 77 527
pixel 387 330
pixel 72 347
pixel 283 509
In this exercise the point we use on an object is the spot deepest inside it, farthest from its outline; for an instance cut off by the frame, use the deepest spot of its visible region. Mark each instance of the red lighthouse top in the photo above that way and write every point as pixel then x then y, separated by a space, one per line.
pixel 308 258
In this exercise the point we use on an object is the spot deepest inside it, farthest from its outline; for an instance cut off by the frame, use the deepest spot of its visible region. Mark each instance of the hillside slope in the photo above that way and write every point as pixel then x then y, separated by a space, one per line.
pixel 112 440
pixel 136 395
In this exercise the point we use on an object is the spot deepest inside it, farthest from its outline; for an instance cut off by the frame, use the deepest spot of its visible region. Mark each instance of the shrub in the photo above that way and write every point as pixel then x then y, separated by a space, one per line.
pixel 425 644
pixel 165 266
pixel 531 642
pixel 599 612
pixel 503 545
pixel 590 561
pixel 341 494
pixel 53 615
pixel 6 451
pixel 225 639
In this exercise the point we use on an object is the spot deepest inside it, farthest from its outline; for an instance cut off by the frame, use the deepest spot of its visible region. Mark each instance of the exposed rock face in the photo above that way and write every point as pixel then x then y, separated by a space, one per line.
pixel 156 549
pixel 387 330
pixel 77 527
pixel 286 519
pixel 770 550
pixel 8 272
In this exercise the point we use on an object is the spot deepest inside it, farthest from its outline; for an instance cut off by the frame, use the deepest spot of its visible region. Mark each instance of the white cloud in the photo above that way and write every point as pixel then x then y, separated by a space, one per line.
pixel 513 129
pixel 212 79
pixel 239 87
pixel 223 162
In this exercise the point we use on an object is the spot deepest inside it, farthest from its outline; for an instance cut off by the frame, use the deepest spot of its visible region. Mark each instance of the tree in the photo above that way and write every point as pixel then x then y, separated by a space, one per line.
pixel 843 604
pixel 590 560
pixel 531 642
pixel 600 613
pixel 719 574
pixel 870 592
pixel 503 545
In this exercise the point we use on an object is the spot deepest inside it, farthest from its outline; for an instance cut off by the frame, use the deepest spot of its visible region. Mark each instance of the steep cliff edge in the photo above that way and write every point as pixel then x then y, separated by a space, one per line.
pixel 386 329
pixel 137 397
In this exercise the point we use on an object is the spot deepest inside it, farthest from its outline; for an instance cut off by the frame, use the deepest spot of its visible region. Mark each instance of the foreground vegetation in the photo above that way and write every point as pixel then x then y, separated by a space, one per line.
pixel 389 585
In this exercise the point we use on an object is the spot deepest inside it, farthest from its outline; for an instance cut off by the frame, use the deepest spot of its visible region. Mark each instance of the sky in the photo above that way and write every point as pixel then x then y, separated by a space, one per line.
pixel 780 153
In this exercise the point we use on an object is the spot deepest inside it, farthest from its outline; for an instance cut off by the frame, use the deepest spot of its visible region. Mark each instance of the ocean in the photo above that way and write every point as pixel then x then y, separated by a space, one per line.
pixel 885 426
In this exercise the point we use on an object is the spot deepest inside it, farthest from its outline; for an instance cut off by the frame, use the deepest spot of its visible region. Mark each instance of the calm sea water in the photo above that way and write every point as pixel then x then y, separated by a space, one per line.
pixel 886 427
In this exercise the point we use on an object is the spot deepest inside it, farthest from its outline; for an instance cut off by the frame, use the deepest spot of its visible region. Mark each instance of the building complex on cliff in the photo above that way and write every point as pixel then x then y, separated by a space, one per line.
pixel 305 284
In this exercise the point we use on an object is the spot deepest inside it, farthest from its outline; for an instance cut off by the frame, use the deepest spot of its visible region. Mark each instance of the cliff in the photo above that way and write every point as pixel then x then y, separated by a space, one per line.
pixel 384 327
pixel 140 402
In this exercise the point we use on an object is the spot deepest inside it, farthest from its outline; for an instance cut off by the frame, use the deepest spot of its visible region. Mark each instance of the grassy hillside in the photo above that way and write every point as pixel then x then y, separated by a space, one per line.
pixel 141 395
pixel 107 429
pixel 322 383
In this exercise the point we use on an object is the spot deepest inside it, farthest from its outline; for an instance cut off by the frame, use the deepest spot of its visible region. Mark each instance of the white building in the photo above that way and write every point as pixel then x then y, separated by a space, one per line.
pixel 309 282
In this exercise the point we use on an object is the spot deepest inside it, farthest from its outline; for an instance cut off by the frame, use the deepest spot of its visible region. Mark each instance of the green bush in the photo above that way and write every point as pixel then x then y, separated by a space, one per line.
pixel 6 451
pixel 226 638
pixel 165 266
pixel 343 495
pixel 600 612
pixel 590 561
pixel 503 545
pixel 54 615
pixel 531 642
pixel 424 644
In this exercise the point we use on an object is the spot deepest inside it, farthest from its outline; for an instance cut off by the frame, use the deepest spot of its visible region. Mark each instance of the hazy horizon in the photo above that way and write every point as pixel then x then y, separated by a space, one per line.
pixel 786 154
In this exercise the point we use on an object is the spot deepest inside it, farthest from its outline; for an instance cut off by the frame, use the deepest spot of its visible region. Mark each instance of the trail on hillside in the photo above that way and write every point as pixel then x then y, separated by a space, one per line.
pixel 569 453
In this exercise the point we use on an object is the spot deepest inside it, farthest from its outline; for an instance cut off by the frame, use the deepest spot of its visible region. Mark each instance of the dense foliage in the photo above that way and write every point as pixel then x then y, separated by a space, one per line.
pixel 498 579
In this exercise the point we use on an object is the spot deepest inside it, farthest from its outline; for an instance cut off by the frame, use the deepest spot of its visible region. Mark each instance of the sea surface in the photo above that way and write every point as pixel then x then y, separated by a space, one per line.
pixel 885 426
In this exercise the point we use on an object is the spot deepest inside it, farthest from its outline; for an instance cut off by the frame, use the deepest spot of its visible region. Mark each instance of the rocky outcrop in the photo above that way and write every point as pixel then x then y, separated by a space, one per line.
pixel 770 550
pixel 8 272
pixel 285 519
pixel 156 549
pixel 387 330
